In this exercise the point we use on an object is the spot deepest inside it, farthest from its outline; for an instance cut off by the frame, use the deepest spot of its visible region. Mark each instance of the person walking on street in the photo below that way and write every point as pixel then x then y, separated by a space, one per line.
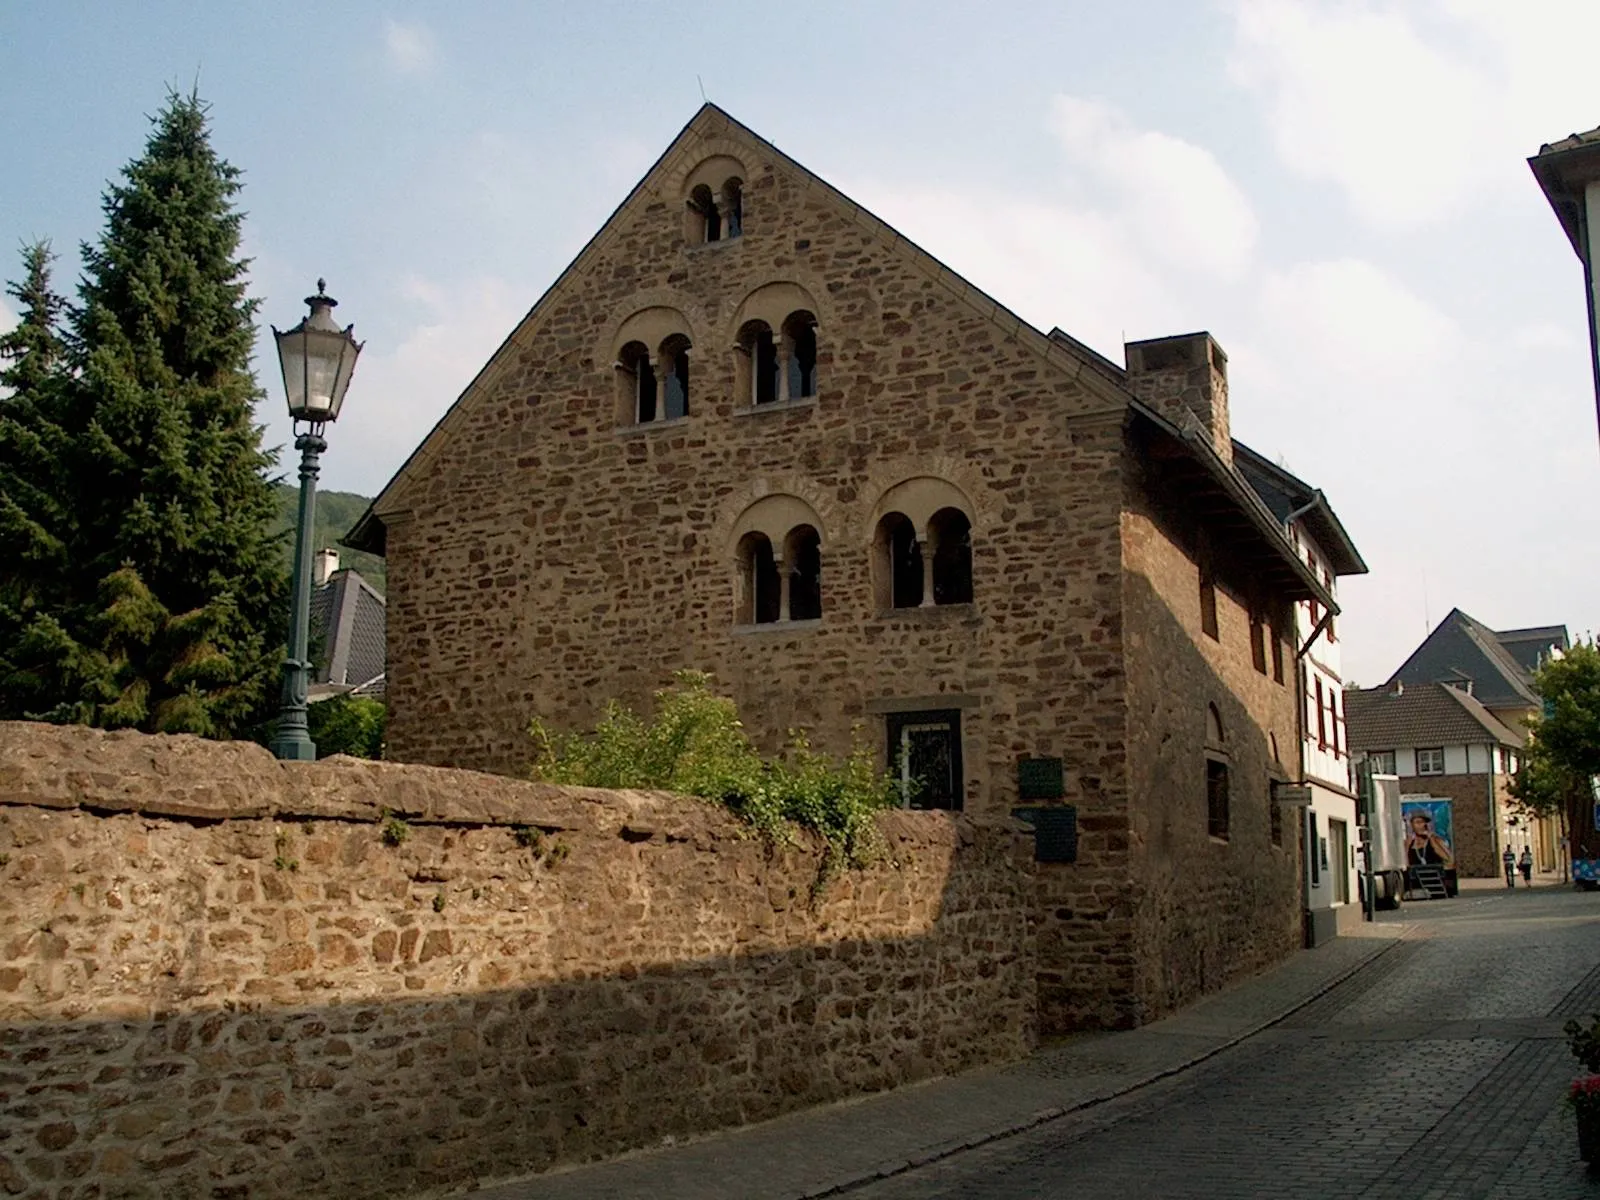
pixel 1525 865
pixel 1509 858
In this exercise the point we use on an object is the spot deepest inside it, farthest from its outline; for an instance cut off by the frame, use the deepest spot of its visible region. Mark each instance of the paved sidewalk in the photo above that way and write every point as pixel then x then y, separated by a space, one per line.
pixel 823 1151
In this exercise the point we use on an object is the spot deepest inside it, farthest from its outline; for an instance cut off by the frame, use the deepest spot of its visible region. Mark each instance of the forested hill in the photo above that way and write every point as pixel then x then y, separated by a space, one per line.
pixel 337 513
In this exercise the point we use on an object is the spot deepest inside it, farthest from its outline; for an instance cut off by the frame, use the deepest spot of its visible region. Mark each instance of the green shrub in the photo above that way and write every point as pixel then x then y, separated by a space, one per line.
pixel 347 725
pixel 696 745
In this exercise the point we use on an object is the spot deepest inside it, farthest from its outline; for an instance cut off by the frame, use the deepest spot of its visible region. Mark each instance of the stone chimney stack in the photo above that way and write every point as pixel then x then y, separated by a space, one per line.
pixel 324 565
pixel 1183 376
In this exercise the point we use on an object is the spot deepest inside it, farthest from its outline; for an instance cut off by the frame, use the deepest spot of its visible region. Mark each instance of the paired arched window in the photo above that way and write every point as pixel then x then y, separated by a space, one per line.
pixel 918 569
pixel 787 589
pixel 654 387
pixel 716 216
pixel 774 368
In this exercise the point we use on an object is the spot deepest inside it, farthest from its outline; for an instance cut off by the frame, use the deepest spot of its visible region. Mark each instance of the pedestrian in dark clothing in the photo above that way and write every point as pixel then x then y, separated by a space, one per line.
pixel 1525 865
pixel 1509 858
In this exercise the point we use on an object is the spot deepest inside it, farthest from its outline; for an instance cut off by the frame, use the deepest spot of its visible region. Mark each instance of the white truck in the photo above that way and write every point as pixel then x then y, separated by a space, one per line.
pixel 1383 840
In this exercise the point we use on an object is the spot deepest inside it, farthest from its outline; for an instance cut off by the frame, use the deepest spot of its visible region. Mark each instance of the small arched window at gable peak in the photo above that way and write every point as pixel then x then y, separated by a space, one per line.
pixel 1214 735
pixel 715 213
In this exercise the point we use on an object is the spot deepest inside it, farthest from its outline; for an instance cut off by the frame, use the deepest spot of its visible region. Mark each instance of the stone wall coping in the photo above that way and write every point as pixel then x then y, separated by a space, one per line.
pixel 188 778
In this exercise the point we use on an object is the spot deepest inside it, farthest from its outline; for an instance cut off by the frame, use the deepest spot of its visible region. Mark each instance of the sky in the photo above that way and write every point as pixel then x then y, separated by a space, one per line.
pixel 1336 189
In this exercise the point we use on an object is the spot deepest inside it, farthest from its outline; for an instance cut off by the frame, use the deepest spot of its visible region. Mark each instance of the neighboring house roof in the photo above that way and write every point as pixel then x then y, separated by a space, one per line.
pixel 348 618
pixel 1530 646
pixel 1427 715
pixel 1071 358
pixel 1288 497
pixel 1562 168
pixel 1461 649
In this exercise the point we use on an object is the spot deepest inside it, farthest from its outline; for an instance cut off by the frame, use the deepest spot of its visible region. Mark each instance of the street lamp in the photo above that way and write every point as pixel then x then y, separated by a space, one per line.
pixel 318 359
pixel 1568 171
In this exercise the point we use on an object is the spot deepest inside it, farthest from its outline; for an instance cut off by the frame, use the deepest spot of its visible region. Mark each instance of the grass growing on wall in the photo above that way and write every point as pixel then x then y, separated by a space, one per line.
pixel 695 744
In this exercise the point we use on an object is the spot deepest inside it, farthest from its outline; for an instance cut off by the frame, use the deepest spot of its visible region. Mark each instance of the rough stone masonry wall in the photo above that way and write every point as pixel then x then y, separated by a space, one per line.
pixel 218 980
pixel 1203 910
pixel 548 561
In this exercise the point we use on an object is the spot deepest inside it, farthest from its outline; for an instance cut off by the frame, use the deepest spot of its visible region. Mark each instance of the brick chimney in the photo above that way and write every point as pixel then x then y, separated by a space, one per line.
pixel 1184 375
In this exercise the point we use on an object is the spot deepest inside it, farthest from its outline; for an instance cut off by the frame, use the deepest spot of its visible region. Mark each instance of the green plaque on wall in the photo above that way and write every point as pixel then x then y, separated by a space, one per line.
pixel 1040 779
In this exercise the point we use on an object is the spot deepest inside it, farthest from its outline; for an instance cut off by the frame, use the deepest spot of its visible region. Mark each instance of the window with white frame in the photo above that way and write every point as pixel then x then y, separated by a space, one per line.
pixel 1430 760
pixel 1382 761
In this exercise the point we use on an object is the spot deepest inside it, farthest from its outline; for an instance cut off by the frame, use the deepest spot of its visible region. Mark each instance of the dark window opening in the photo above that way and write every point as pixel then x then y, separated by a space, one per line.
pixel 805 574
pixel 1208 601
pixel 1276 817
pixel 762 586
pixel 639 382
pixel 733 206
pixel 758 344
pixel 706 208
pixel 902 558
pixel 951 535
pixel 1258 643
pixel 1216 798
pixel 925 756
pixel 1322 718
pixel 675 386
pixel 1308 846
pixel 802 334
pixel 1277 656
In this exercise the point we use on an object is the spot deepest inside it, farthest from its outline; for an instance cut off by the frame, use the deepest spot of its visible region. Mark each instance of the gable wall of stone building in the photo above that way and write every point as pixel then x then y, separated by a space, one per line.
pixel 1204 910
pixel 549 561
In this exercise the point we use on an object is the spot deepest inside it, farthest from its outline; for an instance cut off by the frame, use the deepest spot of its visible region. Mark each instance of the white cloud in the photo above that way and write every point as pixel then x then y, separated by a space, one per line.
pixel 410 46
pixel 8 319
pixel 1360 96
pixel 1172 195
pixel 401 390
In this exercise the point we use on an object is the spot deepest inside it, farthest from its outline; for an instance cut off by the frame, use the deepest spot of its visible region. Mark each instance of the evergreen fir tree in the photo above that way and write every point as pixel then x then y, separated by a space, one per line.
pixel 173 612
pixel 34 519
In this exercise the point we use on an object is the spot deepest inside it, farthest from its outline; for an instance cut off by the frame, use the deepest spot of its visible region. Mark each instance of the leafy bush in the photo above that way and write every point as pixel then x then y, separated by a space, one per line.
pixel 347 725
pixel 696 745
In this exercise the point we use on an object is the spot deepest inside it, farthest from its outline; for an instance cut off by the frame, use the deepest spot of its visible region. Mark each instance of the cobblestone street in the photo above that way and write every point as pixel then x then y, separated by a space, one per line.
pixel 1437 1071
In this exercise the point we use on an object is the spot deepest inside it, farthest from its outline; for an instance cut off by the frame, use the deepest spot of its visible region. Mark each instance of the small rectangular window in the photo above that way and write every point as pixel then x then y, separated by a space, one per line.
pixel 1430 761
pixel 1258 642
pixel 1208 601
pixel 1217 798
pixel 925 756
pixel 1277 656
pixel 1382 761
pixel 1276 812
pixel 1322 718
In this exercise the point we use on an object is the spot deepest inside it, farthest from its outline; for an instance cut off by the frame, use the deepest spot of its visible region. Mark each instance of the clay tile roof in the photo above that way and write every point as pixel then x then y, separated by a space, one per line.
pixel 1427 715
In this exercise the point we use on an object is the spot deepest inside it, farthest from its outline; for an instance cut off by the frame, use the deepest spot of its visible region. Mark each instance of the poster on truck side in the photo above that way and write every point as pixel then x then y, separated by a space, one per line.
pixel 1430 832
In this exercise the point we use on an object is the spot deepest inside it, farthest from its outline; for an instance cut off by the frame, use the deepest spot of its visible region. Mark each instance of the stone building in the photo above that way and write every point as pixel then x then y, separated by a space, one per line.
pixel 753 430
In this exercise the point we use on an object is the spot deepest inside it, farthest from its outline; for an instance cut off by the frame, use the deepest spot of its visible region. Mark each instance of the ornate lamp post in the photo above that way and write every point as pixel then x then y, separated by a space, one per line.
pixel 318 359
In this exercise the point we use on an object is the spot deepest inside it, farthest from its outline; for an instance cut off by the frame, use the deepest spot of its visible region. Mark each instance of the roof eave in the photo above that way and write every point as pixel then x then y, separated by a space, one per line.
pixel 1561 172
pixel 1196 441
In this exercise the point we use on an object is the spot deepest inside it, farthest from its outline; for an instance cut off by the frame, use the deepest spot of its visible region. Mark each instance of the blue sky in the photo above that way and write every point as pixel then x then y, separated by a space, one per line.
pixel 1334 188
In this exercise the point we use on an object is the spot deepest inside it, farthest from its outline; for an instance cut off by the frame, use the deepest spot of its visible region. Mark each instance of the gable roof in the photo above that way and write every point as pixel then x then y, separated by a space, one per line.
pixel 350 617
pixel 1066 355
pixel 1529 646
pixel 1292 498
pixel 1428 715
pixel 1462 650
pixel 1562 168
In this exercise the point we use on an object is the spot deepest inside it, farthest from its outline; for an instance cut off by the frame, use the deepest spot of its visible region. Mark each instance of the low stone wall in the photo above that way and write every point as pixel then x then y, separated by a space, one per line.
pixel 218 977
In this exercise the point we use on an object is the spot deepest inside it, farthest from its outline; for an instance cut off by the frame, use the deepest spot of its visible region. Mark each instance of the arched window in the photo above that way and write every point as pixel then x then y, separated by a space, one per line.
pixel 760 600
pixel 675 376
pixel 899 562
pixel 800 354
pixel 733 206
pixel 637 379
pixel 704 207
pixel 760 365
pixel 802 556
pixel 950 539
